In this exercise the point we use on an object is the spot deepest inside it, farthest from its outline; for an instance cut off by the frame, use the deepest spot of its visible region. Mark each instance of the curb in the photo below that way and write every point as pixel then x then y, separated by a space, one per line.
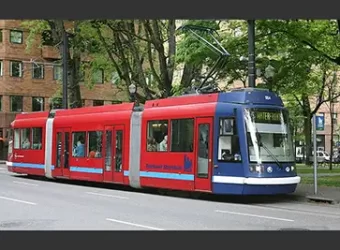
pixel 321 199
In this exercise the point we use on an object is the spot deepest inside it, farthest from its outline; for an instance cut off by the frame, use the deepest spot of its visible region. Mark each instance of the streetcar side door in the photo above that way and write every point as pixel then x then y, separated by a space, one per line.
pixel 114 154
pixel 62 167
pixel 204 146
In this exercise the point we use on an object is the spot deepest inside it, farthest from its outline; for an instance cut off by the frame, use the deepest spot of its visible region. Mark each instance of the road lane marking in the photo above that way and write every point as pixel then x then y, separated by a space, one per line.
pixel 135 225
pixel 300 211
pixel 109 195
pixel 254 215
pixel 25 183
pixel 16 200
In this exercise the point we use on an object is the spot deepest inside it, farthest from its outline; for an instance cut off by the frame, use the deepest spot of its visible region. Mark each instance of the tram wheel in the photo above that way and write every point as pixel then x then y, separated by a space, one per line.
pixel 195 195
pixel 162 192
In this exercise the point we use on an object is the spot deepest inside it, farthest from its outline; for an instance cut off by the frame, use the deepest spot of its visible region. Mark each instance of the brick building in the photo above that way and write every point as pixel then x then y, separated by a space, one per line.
pixel 324 137
pixel 29 78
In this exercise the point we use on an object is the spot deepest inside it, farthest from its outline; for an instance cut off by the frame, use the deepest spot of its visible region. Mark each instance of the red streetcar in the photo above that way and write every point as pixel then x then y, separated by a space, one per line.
pixel 236 142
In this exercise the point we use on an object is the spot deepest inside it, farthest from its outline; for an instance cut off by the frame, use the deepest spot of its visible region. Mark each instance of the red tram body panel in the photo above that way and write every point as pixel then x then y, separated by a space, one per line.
pixel 32 124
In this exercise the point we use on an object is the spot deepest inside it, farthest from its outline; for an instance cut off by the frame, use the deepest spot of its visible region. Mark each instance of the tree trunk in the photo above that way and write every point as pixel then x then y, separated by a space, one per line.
pixel 308 139
pixel 332 133
pixel 57 29
pixel 306 110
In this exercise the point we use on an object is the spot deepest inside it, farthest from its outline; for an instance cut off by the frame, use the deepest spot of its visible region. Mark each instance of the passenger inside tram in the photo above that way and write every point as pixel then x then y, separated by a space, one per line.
pixel 152 145
pixel 164 144
pixel 26 144
pixel 92 153
pixel 79 151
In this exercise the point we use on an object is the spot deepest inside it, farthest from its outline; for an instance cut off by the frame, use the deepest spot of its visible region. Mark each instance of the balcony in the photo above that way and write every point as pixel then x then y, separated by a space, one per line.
pixel 50 52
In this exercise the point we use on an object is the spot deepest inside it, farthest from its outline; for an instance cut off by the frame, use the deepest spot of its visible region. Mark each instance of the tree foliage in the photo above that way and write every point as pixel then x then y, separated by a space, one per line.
pixel 162 62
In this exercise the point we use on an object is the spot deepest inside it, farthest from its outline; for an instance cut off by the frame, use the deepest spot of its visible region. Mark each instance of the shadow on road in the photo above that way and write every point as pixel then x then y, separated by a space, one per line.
pixel 255 199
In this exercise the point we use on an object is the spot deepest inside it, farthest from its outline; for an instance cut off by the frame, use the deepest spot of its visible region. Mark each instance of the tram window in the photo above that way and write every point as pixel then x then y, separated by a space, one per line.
pixel 108 150
pixel 95 144
pixel 25 138
pixel 119 150
pixel 278 140
pixel 78 142
pixel 16 138
pixel 182 135
pixel 59 146
pixel 157 139
pixel 228 141
pixel 36 138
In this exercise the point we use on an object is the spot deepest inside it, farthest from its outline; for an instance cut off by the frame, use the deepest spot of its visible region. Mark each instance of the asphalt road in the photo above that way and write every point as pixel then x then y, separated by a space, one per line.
pixel 29 204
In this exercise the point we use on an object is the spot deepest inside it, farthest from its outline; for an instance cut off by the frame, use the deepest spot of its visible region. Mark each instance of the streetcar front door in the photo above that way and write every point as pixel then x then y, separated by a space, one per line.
pixel 62 167
pixel 204 143
pixel 114 154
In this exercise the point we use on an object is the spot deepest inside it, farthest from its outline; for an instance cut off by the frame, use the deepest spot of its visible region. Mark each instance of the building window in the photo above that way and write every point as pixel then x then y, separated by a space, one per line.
pixel 78 142
pixel 95 144
pixel 98 102
pixel 57 72
pixel 16 68
pixel 1 67
pixel 38 104
pixel 83 102
pixel 16 103
pixel 98 76
pixel 182 135
pixel 157 136
pixel 46 38
pixel 37 71
pixel 16 36
pixel 0 35
pixel 0 102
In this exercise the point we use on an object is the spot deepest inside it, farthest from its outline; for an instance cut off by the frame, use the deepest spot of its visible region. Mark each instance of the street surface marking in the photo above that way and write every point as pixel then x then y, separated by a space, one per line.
pixel 16 200
pixel 135 225
pixel 299 211
pixel 254 215
pixel 108 195
pixel 25 183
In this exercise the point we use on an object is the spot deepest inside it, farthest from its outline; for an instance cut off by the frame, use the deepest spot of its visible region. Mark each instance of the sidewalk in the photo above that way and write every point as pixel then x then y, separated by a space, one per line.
pixel 305 190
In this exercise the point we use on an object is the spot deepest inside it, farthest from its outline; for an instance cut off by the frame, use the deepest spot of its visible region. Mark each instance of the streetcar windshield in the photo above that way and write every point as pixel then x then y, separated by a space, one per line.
pixel 268 135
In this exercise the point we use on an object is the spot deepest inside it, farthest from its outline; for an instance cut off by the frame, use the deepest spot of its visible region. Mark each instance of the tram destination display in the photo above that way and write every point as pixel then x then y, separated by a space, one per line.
pixel 267 116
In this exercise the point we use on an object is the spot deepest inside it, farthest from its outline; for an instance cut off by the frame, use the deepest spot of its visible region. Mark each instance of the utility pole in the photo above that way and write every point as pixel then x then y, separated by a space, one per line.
pixel 251 54
pixel 315 161
pixel 65 69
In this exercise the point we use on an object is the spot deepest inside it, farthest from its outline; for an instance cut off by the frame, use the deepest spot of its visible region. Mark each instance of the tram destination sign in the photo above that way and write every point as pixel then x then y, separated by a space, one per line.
pixel 267 116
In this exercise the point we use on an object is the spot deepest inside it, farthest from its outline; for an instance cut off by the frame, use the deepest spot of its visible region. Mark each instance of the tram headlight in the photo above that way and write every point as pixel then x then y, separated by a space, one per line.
pixel 269 169
pixel 256 169
pixel 292 168
pixel 287 169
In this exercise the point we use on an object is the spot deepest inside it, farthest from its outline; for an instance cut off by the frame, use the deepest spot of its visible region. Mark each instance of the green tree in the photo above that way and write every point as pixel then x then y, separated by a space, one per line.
pixel 309 51
pixel 55 29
